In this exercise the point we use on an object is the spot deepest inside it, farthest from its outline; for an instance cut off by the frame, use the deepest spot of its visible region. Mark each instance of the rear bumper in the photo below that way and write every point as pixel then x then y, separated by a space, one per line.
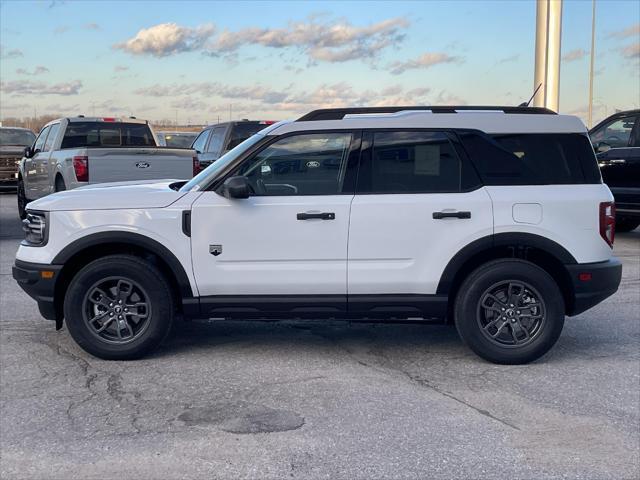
pixel 30 278
pixel 593 282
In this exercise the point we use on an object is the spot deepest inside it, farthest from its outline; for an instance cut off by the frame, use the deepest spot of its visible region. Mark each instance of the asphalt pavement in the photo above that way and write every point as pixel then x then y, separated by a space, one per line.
pixel 318 399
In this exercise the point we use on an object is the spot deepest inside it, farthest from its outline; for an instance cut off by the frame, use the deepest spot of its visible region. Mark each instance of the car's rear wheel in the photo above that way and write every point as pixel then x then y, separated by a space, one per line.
pixel 60 185
pixel 625 224
pixel 22 199
pixel 509 311
pixel 119 307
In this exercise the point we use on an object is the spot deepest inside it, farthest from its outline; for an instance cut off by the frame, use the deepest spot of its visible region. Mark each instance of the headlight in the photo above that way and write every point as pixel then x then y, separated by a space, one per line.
pixel 36 229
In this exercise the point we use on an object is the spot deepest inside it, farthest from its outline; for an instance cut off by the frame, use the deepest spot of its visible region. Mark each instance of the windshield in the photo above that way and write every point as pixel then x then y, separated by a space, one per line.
pixel 14 136
pixel 205 176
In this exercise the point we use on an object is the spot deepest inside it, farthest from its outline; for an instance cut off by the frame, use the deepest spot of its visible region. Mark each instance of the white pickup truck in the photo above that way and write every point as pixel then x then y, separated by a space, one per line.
pixel 72 152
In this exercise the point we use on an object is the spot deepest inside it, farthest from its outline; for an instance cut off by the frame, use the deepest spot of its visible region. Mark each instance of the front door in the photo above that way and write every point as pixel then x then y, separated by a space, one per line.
pixel 33 167
pixel 284 249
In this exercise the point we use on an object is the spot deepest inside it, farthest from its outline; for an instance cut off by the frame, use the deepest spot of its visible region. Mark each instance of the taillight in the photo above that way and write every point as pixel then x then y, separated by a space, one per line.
pixel 196 166
pixel 608 222
pixel 81 167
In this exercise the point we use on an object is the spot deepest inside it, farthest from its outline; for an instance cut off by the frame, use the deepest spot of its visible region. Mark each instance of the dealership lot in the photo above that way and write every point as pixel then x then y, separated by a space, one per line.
pixel 319 399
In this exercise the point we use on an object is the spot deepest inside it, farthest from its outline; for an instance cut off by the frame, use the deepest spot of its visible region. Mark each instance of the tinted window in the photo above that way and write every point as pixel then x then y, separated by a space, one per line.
pixel 410 162
pixel 201 141
pixel 51 137
pixel 13 136
pixel 532 159
pixel 179 140
pixel 310 164
pixel 217 139
pixel 241 131
pixel 615 133
pixel 107 134
pixel 39 145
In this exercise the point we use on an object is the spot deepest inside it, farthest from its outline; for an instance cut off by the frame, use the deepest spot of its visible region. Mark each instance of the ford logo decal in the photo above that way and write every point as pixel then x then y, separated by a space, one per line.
pixel 142 164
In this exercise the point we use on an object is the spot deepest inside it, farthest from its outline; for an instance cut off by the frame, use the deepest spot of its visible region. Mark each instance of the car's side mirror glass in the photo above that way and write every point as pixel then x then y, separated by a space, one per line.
pixel 236 187
pixel 603 147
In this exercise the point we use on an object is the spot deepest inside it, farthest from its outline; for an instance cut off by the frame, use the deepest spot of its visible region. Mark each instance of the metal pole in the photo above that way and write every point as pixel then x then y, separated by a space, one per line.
pixel 547 62
pixel 593 54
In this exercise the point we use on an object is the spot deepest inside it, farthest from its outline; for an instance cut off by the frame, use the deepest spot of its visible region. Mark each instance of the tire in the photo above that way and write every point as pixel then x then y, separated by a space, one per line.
pixel 60 185
pixel 147 328
pixel 22 199
pixel 527 330
pixel 626 224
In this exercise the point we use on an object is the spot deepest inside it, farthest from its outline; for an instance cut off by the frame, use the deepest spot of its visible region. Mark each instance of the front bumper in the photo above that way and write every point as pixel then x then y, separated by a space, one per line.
pixel 39 285
pixel 593 282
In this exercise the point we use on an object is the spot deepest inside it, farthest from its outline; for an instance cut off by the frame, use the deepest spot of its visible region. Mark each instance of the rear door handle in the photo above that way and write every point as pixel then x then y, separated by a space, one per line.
pixel 321 216
pixel 441 215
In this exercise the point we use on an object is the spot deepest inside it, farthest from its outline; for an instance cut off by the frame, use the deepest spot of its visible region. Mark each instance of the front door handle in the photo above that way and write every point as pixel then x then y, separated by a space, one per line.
pixel 321 216
pixel 441 215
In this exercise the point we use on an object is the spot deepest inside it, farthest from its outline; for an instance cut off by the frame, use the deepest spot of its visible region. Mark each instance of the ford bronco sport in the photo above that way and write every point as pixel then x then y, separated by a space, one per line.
pixel 495 218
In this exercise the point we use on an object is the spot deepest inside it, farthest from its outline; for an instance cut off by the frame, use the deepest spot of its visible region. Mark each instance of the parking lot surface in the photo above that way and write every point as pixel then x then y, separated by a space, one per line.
pixel 318 399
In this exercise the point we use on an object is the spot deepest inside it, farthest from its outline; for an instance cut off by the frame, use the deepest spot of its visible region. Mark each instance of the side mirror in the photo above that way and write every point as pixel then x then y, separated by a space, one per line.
pixel 28 152
pixel 603 147
pixel 236 187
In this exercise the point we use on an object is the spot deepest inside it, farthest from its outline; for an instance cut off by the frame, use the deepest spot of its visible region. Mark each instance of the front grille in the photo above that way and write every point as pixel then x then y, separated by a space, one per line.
pixel 9 167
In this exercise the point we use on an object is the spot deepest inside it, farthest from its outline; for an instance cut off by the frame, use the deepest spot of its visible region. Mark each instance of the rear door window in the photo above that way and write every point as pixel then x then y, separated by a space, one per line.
pixel 200 143
pixel 532 159
pixel 217 139
pixel 410 162
pixel 39 145
pixel 51 137
pixel 615 134
pixel 107 134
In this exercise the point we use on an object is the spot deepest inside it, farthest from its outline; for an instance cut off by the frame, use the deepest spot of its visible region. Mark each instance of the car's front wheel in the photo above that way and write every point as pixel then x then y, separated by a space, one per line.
pixel 119 307
pixel 22 199
pixel 509 311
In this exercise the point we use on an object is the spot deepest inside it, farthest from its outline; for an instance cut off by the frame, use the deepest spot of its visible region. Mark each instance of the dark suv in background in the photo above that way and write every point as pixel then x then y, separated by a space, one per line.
pixel 616 141
pixel 13 140
pixel 215 140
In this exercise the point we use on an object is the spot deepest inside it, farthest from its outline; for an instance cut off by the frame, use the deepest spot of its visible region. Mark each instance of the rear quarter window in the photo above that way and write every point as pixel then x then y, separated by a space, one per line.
pixel 532 159
pixel 107 134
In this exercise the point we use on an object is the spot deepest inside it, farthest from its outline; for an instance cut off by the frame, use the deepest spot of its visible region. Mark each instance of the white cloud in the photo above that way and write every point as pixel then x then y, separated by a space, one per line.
pixel 321 41
pixel 574 55
pixel 38 70
pixel 166 39
pixel 12 53
pixel 631 51
pixel 426 60
pixel 632 31
pixel 22 87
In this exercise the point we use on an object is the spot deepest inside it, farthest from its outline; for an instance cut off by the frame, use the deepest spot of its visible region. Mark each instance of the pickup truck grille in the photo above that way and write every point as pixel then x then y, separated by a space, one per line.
pixel 8 168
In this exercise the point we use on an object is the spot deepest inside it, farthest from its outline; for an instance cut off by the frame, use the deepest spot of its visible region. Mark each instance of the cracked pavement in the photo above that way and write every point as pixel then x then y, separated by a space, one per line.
pixel 316 399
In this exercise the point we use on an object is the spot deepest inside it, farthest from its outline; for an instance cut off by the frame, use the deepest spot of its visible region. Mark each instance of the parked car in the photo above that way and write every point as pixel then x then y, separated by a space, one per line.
pixel 72 152
pixel 617 142
pixel 176 139
pixel 215 140
pixel 12 143
pixel 498 220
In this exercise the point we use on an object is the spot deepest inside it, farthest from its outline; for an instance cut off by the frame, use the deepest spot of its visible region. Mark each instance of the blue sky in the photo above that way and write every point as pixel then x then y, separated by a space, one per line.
pixel 273 60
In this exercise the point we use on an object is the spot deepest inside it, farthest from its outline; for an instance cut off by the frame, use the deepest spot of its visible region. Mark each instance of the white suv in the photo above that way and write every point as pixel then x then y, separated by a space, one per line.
pixel 495 218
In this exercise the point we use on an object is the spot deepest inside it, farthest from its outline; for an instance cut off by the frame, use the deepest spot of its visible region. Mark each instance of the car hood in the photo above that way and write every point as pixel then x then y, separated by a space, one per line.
pixel 112 196
pixel 12 150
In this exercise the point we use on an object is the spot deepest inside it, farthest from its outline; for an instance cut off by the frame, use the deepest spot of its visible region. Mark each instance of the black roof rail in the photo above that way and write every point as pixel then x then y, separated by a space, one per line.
pixel 339 113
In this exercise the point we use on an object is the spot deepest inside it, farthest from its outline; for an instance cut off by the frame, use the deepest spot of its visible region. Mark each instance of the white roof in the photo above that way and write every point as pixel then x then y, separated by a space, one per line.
pixel 486 121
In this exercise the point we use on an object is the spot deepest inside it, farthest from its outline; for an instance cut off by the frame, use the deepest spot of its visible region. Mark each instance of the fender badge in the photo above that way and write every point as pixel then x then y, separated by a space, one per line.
pixel 215 250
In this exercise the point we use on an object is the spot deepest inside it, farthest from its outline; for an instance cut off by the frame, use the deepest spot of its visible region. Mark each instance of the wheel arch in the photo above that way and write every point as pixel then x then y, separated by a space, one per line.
pixel 84 250
pixel 546 254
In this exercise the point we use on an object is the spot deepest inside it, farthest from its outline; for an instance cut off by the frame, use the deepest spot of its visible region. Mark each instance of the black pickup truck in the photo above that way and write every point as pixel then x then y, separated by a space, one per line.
pixel 616 141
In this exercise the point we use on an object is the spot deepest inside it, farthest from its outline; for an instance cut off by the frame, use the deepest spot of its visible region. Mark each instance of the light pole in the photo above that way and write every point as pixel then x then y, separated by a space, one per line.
pixel 593 54
pixel 547 63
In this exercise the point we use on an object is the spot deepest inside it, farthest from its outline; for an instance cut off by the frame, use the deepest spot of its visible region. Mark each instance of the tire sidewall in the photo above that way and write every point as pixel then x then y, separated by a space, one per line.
pixel 494 272
pixel 134 269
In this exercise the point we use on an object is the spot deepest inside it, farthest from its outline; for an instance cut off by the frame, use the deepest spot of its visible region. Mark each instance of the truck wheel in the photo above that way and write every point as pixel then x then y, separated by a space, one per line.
pixel 509 311
pixel 625 224
pixel 22 199
pixel 119 307
pixel 60 186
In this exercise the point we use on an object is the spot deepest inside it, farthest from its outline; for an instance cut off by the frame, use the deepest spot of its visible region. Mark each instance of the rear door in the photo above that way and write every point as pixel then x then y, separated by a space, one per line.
pixel 417 204
pixel 285 246
pixel 36 167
